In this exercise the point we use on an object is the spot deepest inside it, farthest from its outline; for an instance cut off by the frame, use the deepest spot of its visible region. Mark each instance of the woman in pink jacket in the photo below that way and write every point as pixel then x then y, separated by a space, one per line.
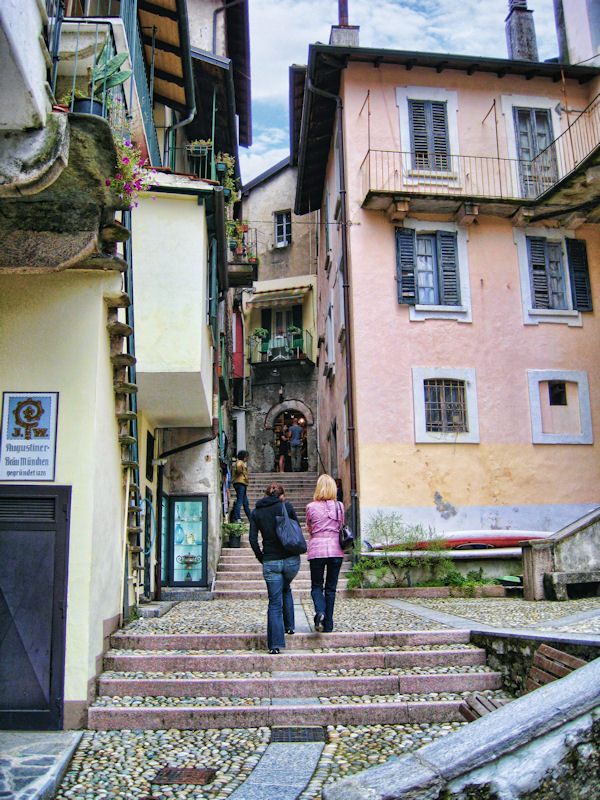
pixel 324 518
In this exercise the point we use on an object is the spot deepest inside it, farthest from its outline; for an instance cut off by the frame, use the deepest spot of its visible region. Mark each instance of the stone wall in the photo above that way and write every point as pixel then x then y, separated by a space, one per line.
pixel 512 654
pixel 299 394
pixel 543 745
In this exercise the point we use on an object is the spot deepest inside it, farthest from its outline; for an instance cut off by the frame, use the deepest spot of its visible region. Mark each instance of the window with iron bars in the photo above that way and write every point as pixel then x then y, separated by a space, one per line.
pixel 445 407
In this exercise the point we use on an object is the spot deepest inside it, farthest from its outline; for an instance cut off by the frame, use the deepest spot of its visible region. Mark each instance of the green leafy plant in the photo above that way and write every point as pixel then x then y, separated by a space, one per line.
pixel 106 72
pixel 199 146
pixel 294 329
pixel 260 333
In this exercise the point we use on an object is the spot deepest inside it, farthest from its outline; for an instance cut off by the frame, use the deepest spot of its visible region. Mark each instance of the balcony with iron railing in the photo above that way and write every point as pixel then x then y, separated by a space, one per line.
pixel 242 261
pixel 294 345
pixel 81 32
pixel 389 174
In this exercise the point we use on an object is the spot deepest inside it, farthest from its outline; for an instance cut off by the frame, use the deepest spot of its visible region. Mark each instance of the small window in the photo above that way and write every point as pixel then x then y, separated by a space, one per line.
pixel 283 228
pixel 445 405
pixel 445 410
pixel 557 393
pixel 427 268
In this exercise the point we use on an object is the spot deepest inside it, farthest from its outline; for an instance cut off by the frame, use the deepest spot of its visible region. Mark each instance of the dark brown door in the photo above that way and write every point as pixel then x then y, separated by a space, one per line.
pixel 34 536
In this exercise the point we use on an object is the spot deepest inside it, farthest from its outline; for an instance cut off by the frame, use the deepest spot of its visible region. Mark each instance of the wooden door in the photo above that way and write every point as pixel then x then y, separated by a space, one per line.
pixel 34 534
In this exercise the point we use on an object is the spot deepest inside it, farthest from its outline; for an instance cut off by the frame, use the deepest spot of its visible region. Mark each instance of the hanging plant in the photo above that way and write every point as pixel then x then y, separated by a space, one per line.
pixel 133 174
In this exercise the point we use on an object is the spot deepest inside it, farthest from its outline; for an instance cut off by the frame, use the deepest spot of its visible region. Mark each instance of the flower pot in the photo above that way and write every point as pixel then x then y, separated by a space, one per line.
pixel 235 539
pixel 87 105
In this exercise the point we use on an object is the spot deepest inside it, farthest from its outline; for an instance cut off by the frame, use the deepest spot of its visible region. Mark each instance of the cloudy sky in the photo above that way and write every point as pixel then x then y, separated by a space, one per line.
pixel 281 30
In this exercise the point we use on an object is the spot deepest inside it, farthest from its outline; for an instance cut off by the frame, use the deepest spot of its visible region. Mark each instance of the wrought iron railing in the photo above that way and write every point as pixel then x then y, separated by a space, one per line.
pixel 76 32
pixel 485 177
pixel 241 243
pixel 290 346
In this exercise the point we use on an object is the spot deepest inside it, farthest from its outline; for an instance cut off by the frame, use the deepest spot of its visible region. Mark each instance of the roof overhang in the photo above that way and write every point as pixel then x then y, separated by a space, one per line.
pixel 164 28
pixel 313 116
pixel 213 82
pixel 238 48
pixel 279 297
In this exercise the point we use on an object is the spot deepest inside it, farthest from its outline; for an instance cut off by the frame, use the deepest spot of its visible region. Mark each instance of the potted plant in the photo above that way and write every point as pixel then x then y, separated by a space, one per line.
pixel 260 333
pixel 104 75
pixel 233 531
pixel 199 147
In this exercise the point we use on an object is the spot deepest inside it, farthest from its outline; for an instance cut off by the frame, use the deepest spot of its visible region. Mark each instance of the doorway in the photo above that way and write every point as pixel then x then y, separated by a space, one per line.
pixel 285 418
pixel 34 546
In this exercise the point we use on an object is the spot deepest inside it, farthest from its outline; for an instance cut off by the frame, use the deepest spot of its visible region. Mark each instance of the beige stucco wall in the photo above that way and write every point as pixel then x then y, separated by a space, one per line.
pixel 53 337
pixel 504 480
pixel 173 341
pixel 259 205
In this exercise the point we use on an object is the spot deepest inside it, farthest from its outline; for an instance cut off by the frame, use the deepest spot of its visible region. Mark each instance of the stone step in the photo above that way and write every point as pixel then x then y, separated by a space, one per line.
pixel 187 716
pixel 423 642
pixel 255 573
pixel 304 684
pixel 238 585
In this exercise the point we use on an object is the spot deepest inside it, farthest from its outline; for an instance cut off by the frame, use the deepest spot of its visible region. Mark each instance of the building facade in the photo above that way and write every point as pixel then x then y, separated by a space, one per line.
pixel 458 280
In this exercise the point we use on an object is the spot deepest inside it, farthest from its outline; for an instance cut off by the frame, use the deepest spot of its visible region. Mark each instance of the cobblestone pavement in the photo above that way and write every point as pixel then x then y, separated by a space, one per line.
pixel 250 616
pixel 517 613
pixel 362 614
pixel 121 764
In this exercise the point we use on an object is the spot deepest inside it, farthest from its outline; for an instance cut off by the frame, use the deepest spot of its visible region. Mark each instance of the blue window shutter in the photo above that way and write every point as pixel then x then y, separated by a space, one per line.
pixel 538 271
pixel 439 136
pixel 449 283
pixel 579 274
pixel 419 139
pixel 405 266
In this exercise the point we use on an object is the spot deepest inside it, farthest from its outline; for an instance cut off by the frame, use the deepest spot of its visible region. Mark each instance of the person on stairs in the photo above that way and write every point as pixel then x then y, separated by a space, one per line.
pixel 239 478
pixel 324 518
pixel 279 568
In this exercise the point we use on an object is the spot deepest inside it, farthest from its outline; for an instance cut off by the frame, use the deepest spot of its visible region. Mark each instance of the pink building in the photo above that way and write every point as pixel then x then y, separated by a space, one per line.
pixel 458 279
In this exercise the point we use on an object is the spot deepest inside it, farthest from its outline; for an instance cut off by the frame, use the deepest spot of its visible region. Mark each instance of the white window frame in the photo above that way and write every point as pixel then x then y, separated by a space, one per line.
pixel 537 376
pixel 466 374
pixel 287 230
pixel 462 313
pixel 508 102
pixel 533 316
pixel 413 176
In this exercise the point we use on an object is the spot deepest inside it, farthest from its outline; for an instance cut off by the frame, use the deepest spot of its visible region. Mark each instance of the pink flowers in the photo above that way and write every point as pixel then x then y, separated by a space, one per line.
pixel 132 176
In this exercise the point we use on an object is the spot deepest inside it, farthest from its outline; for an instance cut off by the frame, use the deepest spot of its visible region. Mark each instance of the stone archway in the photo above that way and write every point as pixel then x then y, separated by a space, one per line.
pixel 300 409
pixel 289 405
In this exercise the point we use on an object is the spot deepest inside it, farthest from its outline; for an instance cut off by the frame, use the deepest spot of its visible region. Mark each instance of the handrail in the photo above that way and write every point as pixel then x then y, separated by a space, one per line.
pixel 486 177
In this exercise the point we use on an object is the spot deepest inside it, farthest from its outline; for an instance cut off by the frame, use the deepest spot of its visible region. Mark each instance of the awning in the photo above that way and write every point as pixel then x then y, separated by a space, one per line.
pixel 279 297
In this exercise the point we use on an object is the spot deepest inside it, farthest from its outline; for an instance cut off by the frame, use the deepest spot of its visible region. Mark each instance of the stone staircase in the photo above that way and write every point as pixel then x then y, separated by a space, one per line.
pixel 239 575
pixel 299 488
pixel 194 681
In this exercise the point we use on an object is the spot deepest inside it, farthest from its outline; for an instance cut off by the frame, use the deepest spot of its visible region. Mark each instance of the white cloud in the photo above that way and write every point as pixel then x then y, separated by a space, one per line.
pixel 281 31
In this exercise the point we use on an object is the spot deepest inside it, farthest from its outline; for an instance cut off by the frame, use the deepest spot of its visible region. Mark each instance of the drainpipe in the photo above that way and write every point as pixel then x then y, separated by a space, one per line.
pixel 174 127
pixel 346 287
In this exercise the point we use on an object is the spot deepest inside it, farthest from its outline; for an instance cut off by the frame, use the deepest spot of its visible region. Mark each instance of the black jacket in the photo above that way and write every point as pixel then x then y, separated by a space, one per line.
pixel 263 519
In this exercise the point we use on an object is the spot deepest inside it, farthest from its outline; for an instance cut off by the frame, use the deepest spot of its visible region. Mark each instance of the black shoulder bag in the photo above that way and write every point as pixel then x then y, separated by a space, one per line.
pixel 289 533
pixel 345 535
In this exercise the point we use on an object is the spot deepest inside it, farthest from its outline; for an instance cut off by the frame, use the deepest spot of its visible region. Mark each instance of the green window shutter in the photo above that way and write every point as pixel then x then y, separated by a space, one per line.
pixel 448 269
pixel 265 319
pixel 579 274
pixel 405 266
pixel 297 316
pixel 538 271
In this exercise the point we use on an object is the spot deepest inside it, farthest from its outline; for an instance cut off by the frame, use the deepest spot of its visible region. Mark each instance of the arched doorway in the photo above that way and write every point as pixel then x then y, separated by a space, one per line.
pixel 283 414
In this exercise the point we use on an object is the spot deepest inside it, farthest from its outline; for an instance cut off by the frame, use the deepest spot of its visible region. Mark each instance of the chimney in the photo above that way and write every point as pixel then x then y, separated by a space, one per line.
pixel 344 35
pixel 520 32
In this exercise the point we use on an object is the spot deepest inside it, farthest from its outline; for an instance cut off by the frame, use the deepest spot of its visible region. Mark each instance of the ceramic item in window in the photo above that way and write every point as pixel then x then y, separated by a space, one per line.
pixel 189 539
pixel 179 534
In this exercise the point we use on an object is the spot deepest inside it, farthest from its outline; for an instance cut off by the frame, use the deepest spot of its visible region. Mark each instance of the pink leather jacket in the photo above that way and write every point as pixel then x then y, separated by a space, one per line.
pixel 323 528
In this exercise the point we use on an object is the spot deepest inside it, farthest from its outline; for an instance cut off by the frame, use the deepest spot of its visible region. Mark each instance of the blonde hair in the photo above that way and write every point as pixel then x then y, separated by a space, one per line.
pixel 325 489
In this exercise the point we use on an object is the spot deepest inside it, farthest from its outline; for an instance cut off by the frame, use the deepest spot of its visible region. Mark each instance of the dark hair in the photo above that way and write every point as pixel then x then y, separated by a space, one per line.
pixel 274 490
pixel 242 454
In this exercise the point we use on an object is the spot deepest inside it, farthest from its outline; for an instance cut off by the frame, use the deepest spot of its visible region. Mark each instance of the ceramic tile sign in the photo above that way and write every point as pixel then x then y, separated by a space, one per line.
pixel 28 436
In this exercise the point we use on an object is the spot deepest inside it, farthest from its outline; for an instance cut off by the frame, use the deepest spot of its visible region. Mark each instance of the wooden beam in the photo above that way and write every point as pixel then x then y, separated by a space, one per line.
pixel 166 47
pixel 168 76
pixel 159 11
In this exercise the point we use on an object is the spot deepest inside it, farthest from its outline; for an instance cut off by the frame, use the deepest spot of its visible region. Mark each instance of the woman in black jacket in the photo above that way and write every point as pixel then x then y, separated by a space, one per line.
pixel 279 568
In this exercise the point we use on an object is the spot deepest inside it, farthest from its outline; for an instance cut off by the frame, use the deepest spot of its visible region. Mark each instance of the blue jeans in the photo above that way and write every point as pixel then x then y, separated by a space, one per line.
pixel 324 603
pixel 240 498
pixel 278 576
